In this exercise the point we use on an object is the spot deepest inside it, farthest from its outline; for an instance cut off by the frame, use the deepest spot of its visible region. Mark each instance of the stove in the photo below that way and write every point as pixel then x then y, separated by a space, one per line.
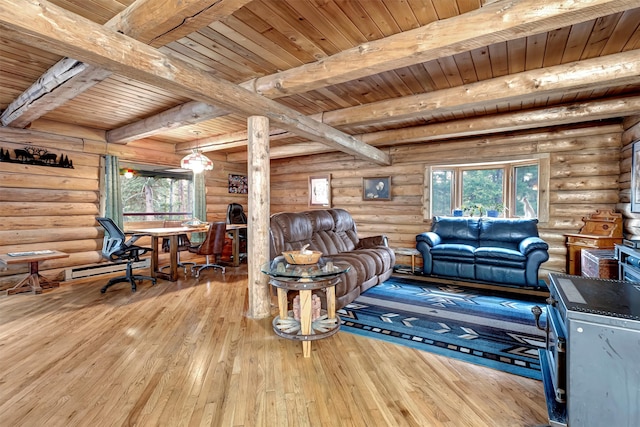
pixel 613 299
pixel 591 364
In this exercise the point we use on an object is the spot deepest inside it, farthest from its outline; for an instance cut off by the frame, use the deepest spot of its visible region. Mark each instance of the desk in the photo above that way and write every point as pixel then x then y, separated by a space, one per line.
pixel 172 234
pixel 34 282
pixel 235 233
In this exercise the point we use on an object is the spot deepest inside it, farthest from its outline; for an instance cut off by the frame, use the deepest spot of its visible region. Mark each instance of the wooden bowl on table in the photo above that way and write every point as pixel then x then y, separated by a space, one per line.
pixel 304 257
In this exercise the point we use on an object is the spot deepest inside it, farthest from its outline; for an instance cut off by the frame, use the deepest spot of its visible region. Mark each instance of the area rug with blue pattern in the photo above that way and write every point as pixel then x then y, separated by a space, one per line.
pixel 491 329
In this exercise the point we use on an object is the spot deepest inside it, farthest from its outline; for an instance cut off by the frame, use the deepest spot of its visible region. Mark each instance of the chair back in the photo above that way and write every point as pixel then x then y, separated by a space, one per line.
pixel 214 242
pixel 114 238
pixel 235 214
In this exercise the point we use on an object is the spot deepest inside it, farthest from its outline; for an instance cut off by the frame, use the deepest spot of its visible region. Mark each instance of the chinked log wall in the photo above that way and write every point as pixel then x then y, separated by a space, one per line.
pixel 45 207
pixel 584 175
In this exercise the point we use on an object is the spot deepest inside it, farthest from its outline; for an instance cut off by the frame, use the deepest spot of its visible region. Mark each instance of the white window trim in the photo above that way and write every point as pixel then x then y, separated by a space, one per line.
pixel 544 174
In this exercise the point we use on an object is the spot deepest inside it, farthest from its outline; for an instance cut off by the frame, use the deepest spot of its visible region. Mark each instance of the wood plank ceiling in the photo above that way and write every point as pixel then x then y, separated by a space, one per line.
pixel 434 68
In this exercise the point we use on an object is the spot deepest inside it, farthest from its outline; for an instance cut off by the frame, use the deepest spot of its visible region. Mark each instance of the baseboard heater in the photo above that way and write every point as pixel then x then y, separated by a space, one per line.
pixel 103 268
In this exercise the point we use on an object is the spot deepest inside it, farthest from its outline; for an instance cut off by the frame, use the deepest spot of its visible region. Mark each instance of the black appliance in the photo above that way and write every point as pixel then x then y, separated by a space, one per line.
pixel 591 364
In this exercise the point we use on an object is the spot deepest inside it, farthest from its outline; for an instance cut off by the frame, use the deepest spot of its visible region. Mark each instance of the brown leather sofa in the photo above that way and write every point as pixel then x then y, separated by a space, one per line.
pixel 333 232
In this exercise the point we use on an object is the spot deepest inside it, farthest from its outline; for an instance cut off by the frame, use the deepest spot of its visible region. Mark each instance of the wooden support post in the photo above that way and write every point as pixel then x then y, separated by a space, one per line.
pixel 258 216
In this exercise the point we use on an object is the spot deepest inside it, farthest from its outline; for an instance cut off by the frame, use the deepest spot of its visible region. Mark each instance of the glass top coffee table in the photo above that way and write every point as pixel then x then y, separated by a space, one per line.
pixel 306 322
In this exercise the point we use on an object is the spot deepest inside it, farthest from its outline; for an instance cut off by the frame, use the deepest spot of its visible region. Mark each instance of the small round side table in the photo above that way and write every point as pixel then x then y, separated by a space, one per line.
pixel 305 279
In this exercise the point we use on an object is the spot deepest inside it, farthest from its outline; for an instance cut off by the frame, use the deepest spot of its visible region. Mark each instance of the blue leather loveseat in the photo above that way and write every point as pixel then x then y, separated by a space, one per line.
pixel 496 250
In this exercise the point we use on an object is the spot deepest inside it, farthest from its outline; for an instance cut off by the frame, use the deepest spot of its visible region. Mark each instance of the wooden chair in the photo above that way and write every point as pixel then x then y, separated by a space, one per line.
pixel 212 246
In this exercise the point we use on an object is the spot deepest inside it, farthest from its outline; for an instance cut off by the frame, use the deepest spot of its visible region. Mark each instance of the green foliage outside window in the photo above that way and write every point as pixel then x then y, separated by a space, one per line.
pixel 526 183
pixel 156 195
pixel 485 189
pixel 482 189
pixel 441 188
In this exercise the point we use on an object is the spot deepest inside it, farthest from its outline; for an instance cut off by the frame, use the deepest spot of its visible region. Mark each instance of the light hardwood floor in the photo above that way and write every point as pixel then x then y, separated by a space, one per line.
pixel 184 354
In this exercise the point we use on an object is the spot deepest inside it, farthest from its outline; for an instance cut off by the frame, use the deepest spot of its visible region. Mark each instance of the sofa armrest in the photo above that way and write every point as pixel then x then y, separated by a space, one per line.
pixel 531 244
pixel 373 241
pixel 429 237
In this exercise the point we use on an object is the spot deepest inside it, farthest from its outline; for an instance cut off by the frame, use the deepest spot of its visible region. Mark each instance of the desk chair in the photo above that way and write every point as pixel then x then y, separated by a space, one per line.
pixel 212 246
pixel 116 247
pixel 183 245
pixel 236 215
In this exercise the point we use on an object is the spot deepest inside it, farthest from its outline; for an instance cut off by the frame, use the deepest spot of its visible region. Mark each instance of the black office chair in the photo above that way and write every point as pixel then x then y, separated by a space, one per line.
pixel 212 246
pixel 236 215
pixel 116 247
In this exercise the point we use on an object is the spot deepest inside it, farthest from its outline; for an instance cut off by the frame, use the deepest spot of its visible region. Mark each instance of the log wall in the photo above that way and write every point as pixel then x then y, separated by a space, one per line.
pixel 630 135
pixel 54 208
pixel 584 176
pixel 43 207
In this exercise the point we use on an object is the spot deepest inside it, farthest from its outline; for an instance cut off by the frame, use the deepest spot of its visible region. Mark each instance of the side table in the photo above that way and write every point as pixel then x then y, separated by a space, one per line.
pixel 412 252
pixel 34 282
pixel 305 279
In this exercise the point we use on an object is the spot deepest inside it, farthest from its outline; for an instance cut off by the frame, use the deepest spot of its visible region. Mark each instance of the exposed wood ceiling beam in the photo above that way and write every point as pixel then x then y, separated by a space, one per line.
pixel 508 122
pixel 182 115
pixel 522 120
pixel 66 33
pixel 501 21
pixel 591 74
pixel 603 72
pixel 155 22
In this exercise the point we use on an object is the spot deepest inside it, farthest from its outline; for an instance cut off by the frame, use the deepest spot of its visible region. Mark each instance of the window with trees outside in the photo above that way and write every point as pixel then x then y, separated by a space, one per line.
pixel 153 195
pixel 511 189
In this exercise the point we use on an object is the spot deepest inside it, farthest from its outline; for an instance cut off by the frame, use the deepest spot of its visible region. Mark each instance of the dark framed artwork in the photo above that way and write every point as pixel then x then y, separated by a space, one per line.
pixel 376 188
pixel 238 184
pixel 320 191
pixel 635 178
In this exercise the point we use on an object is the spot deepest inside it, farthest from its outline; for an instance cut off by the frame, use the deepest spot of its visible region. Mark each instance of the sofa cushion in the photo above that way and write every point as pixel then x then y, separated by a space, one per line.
pixel 453 250
pixel 490 254
pixel 506 233
pixel 457 230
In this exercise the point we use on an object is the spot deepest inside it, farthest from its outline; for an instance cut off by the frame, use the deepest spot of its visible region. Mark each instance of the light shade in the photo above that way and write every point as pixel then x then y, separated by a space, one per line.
pixel 128 174
pixel 197 162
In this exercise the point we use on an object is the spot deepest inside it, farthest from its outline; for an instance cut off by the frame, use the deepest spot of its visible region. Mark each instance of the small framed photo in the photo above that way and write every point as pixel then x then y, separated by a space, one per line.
pixel 376 188
pixel 320 191
pixel 635 178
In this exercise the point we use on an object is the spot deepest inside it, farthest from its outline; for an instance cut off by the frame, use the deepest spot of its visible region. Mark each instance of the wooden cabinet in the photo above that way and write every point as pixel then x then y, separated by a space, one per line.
pixel 602 230
pixel 599 263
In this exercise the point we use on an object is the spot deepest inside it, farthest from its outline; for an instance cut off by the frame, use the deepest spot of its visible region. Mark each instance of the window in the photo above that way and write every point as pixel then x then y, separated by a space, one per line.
pixel 512 188
pixel 150 195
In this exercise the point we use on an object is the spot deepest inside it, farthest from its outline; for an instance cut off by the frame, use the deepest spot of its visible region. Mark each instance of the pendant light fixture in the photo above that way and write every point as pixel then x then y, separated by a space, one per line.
pixel 196 161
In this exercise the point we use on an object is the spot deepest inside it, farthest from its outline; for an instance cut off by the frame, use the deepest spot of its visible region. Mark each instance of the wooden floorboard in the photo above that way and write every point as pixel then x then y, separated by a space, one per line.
pixel 185 354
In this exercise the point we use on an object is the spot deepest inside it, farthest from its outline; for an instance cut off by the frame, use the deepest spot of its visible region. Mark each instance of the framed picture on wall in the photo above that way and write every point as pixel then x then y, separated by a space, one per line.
pixel 238 184
pixel 320 191
pixel 635 178
pixel 376 188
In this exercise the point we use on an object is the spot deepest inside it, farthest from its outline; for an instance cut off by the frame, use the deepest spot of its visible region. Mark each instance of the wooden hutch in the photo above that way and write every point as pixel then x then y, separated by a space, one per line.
pixel 601 230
